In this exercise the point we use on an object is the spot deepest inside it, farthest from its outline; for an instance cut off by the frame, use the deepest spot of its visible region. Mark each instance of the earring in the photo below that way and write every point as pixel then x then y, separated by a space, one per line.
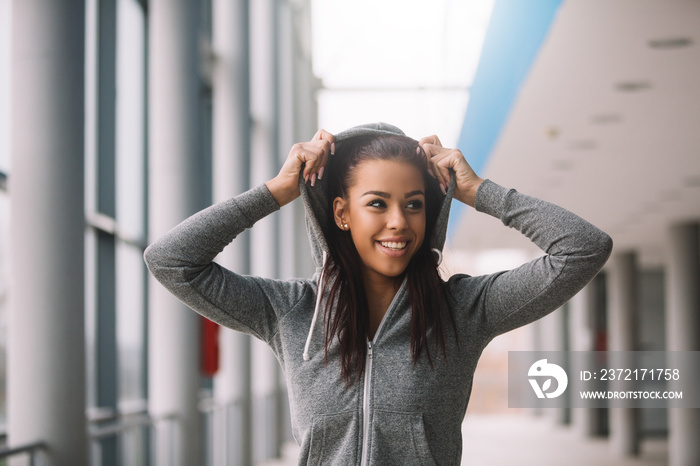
pixel 344 226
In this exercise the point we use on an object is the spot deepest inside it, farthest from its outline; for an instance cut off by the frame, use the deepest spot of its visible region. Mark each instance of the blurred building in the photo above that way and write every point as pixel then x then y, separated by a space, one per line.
pixel 591 105
pixel 120 118
pixel 128 116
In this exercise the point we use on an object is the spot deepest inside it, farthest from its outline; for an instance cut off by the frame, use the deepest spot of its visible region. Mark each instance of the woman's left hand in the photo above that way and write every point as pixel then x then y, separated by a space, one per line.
pixel 441 160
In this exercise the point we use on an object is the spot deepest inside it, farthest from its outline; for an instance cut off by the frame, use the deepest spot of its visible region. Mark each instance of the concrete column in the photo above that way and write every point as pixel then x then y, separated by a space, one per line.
pixel 623 317
pixel 46 323
pixel 305 118
pixel 683 332
pixel 298 121
pixel 582 331
pixel 287 123
pixel 563 415
pixel 552 337
pixel 293 127
pixel 231 147
pixel 535 341
pixel 174 194
pixel 5 60
pixel 265 241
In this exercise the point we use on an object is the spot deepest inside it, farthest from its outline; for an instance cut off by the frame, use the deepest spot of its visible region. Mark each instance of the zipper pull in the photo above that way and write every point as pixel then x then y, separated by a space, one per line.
pixel 369 349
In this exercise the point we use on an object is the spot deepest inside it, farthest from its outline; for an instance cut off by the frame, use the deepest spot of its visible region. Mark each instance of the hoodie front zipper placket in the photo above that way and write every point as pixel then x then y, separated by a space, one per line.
pixel 365 403
pixel 368 378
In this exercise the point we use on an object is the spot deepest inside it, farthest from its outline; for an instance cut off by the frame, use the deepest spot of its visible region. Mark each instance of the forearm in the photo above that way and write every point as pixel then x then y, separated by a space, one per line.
pixel 199 239
pixel 551 227
pixel 182 261
pixel 576 251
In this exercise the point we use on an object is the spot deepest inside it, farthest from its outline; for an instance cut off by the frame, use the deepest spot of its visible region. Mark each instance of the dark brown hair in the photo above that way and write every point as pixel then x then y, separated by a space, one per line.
pixel 346 311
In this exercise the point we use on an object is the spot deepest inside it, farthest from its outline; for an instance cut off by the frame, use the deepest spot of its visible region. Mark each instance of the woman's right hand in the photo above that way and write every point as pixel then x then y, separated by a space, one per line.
pixel 313 155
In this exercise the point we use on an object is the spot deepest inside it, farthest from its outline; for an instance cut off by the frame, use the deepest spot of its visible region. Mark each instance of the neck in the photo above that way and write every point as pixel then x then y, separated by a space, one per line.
pixel 380 291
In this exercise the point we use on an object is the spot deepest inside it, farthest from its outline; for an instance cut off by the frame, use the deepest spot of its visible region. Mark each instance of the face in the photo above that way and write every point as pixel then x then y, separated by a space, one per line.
pixel 385 214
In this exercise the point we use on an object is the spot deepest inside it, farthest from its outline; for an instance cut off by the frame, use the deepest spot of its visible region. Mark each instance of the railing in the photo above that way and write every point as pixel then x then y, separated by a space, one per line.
pixel 33 449
pixel 227 429
pixel 223 436
pixel 161 430
pixel 163 427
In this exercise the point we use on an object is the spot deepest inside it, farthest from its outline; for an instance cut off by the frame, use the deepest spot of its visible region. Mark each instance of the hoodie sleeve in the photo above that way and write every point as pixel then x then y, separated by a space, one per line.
pixel 182 261
pixel 575 253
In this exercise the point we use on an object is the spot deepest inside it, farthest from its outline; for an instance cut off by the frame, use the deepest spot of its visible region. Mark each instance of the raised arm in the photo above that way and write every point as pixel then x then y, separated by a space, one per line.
pixel 182 260
pixel 575 249
pixel 575 253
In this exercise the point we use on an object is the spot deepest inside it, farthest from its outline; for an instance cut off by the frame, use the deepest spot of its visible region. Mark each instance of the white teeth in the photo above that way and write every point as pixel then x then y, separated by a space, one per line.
pixel 392 245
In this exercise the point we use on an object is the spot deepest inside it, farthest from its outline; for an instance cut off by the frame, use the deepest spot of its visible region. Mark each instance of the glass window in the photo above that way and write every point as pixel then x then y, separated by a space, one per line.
pixel 131 324
pixel 4 198
pixel 131 202
pixel 4 278
pixel 131 122
pixel 5 16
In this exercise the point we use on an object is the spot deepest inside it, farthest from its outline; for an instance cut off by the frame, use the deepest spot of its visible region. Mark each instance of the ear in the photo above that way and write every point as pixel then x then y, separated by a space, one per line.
pixel 340 207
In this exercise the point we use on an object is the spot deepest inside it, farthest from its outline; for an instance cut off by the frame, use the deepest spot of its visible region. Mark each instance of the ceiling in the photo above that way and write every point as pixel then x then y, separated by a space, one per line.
pixel 606 124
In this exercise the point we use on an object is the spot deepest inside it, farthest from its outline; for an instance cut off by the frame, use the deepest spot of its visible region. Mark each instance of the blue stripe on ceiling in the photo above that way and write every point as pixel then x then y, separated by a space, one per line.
pixel 515 34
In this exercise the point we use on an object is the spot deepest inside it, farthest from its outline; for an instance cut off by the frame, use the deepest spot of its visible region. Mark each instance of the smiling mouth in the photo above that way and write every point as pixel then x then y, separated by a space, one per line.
pixel 394 246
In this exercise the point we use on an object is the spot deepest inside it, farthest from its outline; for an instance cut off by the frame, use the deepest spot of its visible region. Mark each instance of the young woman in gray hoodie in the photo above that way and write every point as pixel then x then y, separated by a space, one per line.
pixel 378 351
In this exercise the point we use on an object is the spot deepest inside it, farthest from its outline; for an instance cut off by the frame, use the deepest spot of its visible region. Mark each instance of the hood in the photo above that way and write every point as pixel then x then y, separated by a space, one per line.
pixel 318 211
pixel 317 205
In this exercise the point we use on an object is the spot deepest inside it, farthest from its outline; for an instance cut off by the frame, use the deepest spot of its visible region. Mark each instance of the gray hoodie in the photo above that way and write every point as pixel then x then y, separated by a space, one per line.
pixel 399 413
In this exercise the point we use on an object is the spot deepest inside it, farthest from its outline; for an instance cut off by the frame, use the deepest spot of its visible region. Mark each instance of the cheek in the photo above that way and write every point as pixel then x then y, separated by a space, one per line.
pixel 362 230
pixel 365 224
pixel 418 226
pixel 420 235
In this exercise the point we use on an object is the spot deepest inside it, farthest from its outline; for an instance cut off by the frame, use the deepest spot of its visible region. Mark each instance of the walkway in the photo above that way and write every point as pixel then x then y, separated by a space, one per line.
pixel 531 441
pixel 536 441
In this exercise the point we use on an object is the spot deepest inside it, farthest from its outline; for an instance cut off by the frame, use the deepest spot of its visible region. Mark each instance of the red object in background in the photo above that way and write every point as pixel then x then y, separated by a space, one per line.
pixel 210 347
pixel 601 341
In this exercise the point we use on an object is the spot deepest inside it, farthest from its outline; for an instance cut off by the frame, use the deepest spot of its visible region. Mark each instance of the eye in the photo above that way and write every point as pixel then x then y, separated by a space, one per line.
pixel 378 203
pixel 415 204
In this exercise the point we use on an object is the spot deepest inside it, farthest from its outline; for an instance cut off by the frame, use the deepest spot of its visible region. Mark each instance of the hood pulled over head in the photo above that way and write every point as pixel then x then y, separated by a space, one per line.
pixel 318 204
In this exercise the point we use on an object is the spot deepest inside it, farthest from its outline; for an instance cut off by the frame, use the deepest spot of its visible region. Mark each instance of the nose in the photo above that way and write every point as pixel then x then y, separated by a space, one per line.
pixel 397 219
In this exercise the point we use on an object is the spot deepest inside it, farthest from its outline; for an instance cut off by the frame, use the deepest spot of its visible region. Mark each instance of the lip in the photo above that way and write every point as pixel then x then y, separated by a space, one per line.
pixel 393 252
pixel 395 239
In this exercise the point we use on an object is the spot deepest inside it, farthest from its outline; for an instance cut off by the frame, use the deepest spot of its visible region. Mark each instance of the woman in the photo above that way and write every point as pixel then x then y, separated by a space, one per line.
pixel 377 350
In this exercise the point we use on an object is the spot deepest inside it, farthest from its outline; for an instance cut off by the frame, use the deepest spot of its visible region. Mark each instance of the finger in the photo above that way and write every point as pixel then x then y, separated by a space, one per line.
pixel 324 135
pixel 450 161
pixel 325 146
pixel 434 153
pixel 443 162
pixel 432 139
pixel 318 165
pixel 313 155
pixel 305 155
pixel 430 151
pixel 322 164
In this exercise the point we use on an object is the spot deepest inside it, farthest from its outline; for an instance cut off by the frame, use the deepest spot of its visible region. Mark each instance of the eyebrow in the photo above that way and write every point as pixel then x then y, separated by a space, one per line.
pixel 388 196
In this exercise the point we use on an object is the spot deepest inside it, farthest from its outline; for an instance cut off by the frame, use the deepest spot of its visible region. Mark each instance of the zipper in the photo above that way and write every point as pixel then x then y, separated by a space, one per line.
pixel 368 378
pixel 365 403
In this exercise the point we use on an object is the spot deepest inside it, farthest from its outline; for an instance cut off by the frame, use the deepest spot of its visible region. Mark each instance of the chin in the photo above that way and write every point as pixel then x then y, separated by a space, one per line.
pixel 394 272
